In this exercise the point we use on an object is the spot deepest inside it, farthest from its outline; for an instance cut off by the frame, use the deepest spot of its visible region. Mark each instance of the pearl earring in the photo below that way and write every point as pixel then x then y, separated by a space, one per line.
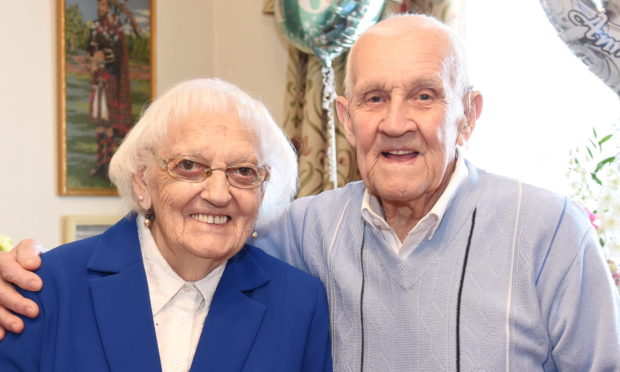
pixel 149 217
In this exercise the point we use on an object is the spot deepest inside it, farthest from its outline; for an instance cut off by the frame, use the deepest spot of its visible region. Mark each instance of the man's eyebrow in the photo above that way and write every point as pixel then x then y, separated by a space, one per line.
pixel 370 86
pixel 416 83
pixel 425 82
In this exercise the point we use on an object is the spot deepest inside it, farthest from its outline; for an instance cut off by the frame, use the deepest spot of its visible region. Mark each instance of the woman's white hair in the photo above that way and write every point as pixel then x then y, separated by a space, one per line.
pixel 209 96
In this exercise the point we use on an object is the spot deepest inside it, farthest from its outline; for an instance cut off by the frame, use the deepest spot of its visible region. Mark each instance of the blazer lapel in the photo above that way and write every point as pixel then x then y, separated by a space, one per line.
pixel 234 318
pixel 121 301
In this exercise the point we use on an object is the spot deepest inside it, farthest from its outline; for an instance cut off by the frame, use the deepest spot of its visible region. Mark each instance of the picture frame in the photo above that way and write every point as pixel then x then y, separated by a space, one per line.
pixel 268 6
pixel 76 227
pixel 106 76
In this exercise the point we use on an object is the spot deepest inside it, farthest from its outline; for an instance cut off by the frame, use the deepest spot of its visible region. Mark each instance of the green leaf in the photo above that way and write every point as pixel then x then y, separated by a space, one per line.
pixel 605 139
pixel 590 152
pixel 602 163
pixel 596 179
pixel 593 142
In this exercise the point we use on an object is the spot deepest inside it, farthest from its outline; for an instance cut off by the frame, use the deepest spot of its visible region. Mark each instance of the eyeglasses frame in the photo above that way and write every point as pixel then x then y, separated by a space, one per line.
pixel 163 163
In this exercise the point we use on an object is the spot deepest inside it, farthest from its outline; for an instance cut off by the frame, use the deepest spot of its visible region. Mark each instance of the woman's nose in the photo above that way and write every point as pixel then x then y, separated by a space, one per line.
pixel 216 189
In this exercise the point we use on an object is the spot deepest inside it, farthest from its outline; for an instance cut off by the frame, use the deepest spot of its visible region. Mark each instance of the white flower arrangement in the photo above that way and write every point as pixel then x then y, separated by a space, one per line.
pixel 594 175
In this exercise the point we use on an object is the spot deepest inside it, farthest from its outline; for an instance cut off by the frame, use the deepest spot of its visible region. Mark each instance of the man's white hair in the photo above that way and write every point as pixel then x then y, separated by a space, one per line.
pixel 457 58
pixel 208 96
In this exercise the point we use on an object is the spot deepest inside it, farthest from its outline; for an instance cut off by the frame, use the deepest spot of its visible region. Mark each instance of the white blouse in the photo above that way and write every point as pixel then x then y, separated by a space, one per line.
pixel 179 307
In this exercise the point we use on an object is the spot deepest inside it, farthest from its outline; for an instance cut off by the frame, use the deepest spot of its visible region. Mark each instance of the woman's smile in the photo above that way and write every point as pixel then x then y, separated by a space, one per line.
pixel 210 218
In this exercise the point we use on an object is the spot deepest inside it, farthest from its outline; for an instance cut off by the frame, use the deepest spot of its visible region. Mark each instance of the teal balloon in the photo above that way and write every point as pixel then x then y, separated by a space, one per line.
pixel 325 28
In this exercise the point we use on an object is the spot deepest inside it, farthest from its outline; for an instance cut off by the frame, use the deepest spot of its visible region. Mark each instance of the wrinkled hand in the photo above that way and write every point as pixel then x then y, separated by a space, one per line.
pixel 15 269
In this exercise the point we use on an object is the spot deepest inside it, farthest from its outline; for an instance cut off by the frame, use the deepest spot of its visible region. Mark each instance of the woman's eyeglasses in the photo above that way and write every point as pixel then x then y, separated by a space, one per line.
pixel 242 176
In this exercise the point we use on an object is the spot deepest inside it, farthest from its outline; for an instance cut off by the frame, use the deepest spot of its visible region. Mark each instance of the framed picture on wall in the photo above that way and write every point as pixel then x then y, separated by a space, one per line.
pixel 106 75
pixel 76 227
pixel 268 6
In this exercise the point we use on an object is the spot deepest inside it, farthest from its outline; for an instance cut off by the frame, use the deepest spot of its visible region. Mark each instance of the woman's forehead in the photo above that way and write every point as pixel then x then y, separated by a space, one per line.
pixel 203 124
pixel 211 135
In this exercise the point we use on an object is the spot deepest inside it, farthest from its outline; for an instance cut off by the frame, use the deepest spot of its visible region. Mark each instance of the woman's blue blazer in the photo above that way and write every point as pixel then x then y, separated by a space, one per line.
pixel 96 315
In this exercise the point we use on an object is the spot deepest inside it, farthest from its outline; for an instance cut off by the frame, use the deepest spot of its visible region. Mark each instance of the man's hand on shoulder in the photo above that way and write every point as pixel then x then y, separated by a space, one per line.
pixel 16 268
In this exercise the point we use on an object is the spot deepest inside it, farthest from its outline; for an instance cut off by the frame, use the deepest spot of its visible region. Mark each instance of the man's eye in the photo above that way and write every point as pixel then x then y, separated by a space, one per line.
pixel 425 97
pixel 373 99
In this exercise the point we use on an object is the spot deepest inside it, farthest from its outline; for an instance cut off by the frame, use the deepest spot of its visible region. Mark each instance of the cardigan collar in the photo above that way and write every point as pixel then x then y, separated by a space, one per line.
pixel 408 271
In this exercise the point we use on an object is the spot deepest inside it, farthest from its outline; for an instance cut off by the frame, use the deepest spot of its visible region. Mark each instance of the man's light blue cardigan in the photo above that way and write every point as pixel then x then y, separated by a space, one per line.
pixel 513 280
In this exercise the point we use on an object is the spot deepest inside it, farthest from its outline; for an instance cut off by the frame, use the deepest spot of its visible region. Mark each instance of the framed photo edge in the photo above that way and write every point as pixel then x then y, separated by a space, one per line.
pixel 268 6
pixel 61 127
pixel 72 223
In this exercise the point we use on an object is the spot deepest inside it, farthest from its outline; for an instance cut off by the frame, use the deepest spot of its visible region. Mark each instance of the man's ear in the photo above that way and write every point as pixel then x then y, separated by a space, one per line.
pixel 342 109
pixel 140 189
pixel 473 109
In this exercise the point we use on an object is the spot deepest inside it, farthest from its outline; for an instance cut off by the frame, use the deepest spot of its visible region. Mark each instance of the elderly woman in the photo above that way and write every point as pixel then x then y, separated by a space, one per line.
pixel 173 286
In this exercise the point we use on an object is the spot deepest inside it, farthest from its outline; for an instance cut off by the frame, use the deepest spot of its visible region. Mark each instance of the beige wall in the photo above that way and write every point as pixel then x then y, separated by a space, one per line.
pixel 194 38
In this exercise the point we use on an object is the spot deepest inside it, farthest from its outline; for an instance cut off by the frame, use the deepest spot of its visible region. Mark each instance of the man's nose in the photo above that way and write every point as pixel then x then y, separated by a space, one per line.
pixel 398 119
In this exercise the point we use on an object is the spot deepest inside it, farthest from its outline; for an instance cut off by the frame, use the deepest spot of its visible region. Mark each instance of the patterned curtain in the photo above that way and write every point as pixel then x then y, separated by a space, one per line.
pixel 448 11
pixel 305 121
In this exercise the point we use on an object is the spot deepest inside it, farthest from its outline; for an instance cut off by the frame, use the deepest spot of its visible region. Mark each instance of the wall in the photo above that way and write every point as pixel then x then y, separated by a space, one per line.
pixel 194 38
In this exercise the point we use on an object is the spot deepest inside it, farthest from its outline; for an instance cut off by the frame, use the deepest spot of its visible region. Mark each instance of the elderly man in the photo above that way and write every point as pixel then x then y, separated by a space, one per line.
pixel 430 263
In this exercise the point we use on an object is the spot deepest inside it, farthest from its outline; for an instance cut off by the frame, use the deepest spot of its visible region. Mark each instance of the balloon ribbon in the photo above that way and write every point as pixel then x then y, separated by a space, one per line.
pixel 329 96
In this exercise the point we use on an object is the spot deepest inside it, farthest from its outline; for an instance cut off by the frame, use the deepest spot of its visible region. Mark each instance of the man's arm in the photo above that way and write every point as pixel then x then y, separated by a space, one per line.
pixel 582 306
pixel 15 269
pixel 282 238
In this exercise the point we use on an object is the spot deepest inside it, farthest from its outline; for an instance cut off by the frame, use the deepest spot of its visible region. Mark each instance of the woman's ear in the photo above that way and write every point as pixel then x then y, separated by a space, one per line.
pixel 140 189
pixel 473 109
pixel 261 189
